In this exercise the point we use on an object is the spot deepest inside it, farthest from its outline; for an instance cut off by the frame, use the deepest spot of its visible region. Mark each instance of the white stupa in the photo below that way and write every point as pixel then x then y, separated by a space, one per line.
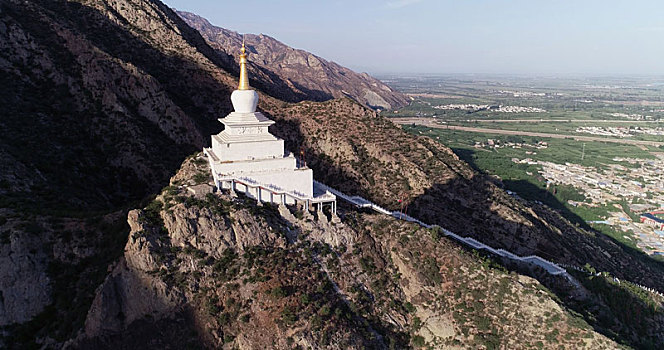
pixel 245 157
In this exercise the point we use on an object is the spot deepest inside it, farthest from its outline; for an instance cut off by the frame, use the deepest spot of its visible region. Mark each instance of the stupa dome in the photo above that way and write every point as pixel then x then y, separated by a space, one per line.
pixel 244 101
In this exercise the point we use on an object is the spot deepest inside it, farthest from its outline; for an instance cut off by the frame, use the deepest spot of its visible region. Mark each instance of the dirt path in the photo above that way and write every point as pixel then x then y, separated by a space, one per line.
pixel 428 122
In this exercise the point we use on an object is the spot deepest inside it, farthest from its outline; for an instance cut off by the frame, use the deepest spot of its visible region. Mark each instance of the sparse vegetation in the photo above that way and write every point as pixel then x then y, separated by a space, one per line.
pixel 234 265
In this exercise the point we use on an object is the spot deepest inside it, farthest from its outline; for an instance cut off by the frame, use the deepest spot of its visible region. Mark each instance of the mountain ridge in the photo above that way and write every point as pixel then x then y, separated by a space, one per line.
pixel 309 76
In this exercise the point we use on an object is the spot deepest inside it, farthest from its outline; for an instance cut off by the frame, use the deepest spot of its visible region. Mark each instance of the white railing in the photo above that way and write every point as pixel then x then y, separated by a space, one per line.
pixel 615 279
pixel 278 191
pixel 547 265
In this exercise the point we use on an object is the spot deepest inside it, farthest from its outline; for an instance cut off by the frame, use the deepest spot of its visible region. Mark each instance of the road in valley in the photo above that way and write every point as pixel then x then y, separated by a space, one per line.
pixel 558 121
pixel 431 123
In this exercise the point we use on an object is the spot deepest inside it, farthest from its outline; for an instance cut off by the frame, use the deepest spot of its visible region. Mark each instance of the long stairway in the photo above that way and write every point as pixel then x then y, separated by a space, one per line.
pixel 548 266
pixel 360 202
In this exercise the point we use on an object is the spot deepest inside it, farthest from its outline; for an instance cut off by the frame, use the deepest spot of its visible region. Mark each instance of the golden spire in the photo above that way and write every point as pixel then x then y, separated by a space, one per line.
pixel 244 78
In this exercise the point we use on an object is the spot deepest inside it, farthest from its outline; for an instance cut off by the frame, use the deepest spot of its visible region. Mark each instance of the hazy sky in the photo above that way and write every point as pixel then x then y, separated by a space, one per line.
pixel 458 36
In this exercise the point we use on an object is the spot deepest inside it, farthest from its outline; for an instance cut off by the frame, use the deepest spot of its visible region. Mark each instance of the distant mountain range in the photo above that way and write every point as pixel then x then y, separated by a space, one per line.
pixel 294 75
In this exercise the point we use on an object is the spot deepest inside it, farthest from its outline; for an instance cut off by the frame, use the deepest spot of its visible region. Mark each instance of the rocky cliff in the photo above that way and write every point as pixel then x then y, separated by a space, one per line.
pixel 94 92
pixel 224 272
pixel 295 75
pixel 101 102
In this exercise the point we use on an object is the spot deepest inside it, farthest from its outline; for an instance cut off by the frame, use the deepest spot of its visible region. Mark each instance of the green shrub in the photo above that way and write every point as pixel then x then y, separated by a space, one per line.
pixel 417 323
pixel 324 311
pixel 151 214
pixel 418 341
pixel 171 190
pixel 409 307
pixel 436 233
pixel 431 271
pixel 278 292
pixel 224 318
pixel 212 307
pixel 288 316
pixel 368 265
pixel 201 177
pixel 305 299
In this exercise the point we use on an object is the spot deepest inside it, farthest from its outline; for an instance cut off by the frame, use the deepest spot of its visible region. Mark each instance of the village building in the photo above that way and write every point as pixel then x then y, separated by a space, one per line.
pixel 651 220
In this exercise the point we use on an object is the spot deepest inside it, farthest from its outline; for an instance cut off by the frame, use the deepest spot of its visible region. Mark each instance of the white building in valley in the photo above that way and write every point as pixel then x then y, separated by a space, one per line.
pixel 247 158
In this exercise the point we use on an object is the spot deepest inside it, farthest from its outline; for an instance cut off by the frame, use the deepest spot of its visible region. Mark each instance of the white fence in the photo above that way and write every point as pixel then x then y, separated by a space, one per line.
pixel 360 202
pixel 615 279
pixel 282 194
pixel 548 266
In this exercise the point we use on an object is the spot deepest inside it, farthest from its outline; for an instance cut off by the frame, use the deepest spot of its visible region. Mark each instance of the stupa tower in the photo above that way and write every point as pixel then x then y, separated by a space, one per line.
pixel 245 156
pixel 246 136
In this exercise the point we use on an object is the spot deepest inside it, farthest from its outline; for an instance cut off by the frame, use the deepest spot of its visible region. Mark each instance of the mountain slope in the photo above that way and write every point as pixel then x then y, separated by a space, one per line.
pixel 222 268
pixel 87 87
pixel 101 103
pixel 105 99
pixel 360 152
pixel 281 69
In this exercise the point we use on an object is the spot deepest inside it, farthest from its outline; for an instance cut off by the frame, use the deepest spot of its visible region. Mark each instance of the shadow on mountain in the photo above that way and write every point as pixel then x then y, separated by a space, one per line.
pixel 621 312
pixel 76 145
pixel 605 309
pixel 527 190
pixel 84 156
pixel 530 191
pixel 576 243
pixel 324 168
pixel 176 332
pixel 78 164
pixel 467 206
pixel 477 207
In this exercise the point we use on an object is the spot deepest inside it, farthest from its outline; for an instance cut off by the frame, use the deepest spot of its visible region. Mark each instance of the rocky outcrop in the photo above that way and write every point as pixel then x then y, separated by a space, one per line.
pixel 200 229
pixel 92 96
pixel 107 67
pixel 162 273
pixel 25 287
pixel 294 75
pixel 238 268
pixel 127 295
pixel 40 257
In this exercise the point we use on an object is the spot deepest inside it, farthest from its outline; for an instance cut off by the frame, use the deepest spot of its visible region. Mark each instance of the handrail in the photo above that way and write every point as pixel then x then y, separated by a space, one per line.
pixel 249 183
pixel 548 266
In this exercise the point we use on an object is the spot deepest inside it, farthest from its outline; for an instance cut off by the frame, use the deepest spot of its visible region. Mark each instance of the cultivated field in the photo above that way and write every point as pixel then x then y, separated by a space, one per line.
pixel 591 148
